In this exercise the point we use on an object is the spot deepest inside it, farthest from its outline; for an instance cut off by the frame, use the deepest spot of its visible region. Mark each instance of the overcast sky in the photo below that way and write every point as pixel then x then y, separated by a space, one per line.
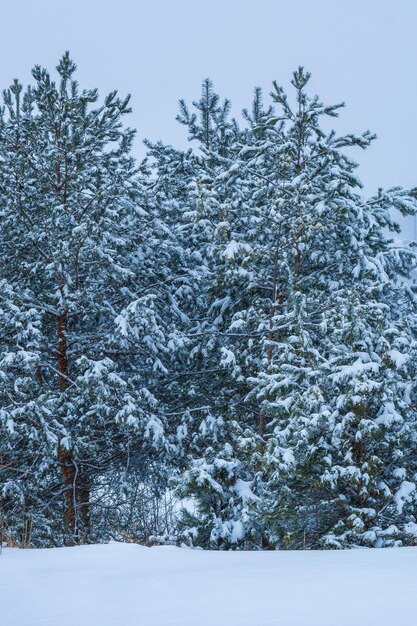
pixel 362 52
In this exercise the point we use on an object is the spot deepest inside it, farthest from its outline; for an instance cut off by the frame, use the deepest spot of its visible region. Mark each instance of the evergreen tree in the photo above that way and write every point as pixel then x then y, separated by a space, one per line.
pixel 224 457
pixel 80 257
pixel 335 387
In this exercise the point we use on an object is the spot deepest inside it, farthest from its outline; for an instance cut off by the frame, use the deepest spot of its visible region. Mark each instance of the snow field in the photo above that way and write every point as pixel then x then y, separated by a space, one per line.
pixel 129 585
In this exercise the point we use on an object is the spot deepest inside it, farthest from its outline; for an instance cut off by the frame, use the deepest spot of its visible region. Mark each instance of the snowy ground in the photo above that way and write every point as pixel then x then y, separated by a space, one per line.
pixel 128 585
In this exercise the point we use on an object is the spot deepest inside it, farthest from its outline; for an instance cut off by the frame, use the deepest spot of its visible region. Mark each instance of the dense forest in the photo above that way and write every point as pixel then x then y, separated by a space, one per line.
pixel 215 346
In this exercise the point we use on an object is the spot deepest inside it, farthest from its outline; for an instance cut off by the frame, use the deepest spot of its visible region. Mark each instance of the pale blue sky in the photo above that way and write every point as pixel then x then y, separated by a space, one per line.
pixel 362 52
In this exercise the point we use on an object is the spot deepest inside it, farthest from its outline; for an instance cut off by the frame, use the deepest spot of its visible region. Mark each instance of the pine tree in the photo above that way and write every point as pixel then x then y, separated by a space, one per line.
pixel 80 256
pixel 222 473
pixel 335 403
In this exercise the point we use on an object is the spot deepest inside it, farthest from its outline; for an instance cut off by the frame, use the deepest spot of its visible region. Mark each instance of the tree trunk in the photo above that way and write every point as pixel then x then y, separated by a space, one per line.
pixel 67 466
pixel 84 504
pixel 69 479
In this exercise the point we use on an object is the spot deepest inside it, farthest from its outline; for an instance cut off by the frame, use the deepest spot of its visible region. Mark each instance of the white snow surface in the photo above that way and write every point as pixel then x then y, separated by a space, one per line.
pixel 129 585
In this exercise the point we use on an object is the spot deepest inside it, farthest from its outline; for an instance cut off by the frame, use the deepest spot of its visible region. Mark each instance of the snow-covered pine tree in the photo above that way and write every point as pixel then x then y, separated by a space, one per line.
pixel 221 476
pixel 336 384
pixel 83 355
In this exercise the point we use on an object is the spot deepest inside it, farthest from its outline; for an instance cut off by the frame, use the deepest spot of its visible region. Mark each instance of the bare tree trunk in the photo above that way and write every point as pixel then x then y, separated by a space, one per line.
pixel 84 504
pixel 68 469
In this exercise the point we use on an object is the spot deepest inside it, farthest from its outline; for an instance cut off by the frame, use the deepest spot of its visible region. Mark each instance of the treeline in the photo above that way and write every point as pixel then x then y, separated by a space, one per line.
pixel 215 346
